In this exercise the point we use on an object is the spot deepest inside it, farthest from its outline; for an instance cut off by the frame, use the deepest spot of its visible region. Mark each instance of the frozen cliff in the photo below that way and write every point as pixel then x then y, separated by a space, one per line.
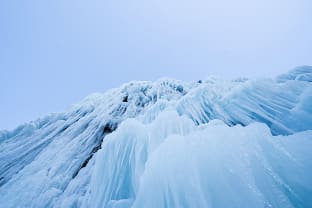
pixel 211 143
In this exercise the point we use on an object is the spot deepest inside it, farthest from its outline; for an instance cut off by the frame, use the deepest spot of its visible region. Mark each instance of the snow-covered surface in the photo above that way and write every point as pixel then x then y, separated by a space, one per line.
pixel 214 143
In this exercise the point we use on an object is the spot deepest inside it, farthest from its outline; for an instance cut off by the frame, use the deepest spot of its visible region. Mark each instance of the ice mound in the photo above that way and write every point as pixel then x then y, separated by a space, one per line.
pixel 168 143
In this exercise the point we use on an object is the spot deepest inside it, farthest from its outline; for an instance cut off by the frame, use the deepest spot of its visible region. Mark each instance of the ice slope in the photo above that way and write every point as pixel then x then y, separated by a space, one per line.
pixel 157 144
pixel 40 161
pixel 284 107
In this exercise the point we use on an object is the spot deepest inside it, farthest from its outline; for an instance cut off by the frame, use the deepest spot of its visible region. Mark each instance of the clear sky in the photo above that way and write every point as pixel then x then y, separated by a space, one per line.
pixel 54 53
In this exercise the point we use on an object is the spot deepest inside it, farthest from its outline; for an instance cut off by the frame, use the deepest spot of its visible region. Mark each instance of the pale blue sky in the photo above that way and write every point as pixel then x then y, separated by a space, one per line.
pixel 54 53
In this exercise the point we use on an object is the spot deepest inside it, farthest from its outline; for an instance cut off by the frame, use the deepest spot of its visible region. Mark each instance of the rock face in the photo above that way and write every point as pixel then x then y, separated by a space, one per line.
pixel 214 143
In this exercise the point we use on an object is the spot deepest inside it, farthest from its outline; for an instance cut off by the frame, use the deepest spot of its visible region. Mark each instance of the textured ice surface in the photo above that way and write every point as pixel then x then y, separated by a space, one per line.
pixel 158 144
pixel 302 73
pixel 173 163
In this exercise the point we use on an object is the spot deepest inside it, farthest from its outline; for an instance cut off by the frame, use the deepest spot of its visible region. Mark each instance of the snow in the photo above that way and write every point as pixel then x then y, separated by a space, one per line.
pixel 214 143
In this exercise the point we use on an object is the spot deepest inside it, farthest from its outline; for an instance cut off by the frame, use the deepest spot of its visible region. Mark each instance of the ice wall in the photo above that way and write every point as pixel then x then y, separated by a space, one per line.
pixel 173 163
pixel 158 144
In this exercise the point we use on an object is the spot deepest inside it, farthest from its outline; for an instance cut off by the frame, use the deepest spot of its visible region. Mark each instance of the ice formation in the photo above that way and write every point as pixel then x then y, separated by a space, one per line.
pixel 214 143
